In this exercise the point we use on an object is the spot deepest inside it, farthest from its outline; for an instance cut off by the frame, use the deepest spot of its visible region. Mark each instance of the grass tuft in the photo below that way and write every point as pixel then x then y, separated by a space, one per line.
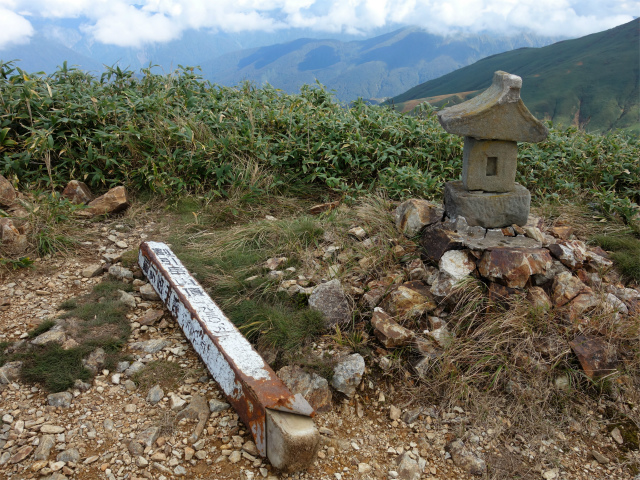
pixel 42 328
pixel 130 258
pixel 626 253
pixel 92 324
pixel 68 304
pixel 277 325
pixel 57 369
pixel 110 288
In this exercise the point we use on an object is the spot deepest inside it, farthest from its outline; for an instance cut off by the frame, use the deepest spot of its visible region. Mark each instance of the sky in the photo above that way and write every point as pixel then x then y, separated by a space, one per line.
pixel 134 24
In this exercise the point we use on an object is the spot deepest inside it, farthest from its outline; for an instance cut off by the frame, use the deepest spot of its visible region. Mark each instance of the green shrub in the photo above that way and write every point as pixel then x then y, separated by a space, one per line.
pixel 176 133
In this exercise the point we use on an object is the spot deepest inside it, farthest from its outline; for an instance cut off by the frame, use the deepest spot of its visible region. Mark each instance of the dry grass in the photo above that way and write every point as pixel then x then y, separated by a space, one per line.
pixel 508 359
pixel 585 221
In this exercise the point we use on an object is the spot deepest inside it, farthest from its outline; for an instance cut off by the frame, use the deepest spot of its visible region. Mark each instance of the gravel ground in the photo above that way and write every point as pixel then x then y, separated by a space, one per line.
pixel 362 438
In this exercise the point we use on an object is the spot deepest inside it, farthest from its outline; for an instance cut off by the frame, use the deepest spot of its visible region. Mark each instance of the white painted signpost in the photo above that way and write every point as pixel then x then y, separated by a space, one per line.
pixel 278 420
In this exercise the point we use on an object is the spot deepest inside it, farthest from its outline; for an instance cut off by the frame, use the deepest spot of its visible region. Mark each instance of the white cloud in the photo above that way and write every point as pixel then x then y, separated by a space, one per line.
pixel 126 25
pixel 14 28
pixel 133 23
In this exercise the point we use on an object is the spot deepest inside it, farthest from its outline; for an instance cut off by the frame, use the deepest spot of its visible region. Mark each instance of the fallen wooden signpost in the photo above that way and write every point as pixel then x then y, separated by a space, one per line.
pixel 279 421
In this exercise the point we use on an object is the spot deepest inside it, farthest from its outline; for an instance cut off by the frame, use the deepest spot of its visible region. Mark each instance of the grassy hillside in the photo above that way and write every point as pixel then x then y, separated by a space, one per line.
pixel 175 134
pixel 375 68
pixel 591 82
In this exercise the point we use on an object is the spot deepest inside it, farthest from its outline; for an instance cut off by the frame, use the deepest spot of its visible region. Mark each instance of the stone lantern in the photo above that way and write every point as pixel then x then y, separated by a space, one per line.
pixel 492 123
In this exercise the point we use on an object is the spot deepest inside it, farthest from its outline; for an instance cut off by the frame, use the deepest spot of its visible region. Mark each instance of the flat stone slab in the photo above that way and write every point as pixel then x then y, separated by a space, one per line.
pixel 486 209
pixel 490 242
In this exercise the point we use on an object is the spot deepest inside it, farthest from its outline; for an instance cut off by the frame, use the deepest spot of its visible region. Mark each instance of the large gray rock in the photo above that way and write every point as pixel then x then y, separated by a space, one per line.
pixel 95 361
pixel 92 270
pixel 311 386
pixel 486 209
pixel 347 374
pixel 147 292
pixel 115 200
pixel 70 455
pixel 10 372
pixel 329 299
pixel 44 447
pixel 150 317
pixel 155 394
pixel 128 299
pixel 55 335
pixel 148 436
pixel 135 448
pixel 134 368
pixel 60 399
pixel 493 240
pixel 465 459
pixel 120 273
pixel 408 468
pixel 216 405
pixel 77 192
pixel 413 215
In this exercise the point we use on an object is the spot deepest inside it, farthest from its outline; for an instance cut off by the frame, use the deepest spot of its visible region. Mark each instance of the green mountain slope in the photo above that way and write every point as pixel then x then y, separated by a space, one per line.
pixel 591 82
pixel 377 67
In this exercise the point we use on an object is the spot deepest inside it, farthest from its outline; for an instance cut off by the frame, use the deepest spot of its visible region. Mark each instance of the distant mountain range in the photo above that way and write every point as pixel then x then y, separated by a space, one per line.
pixel 592 82
pixel 375 68
pixel 58 40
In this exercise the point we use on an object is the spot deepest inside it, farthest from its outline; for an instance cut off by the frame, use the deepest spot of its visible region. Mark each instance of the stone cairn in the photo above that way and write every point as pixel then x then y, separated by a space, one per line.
pixel 492 123
pixel 485 230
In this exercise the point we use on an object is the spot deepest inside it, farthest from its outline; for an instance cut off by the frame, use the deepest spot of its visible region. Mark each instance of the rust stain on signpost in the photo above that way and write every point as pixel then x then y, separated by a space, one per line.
pixel 249 384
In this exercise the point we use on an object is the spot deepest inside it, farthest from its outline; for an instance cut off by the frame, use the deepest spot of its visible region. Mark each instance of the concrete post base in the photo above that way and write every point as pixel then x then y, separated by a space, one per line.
pixel 487 209
pixel 292 440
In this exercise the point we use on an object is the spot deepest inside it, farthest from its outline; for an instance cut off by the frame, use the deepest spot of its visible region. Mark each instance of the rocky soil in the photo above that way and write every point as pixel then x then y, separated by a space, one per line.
pixel 113 429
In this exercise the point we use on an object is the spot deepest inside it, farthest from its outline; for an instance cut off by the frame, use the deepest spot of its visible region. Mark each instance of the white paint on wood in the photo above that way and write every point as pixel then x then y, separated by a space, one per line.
pixel 231 341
